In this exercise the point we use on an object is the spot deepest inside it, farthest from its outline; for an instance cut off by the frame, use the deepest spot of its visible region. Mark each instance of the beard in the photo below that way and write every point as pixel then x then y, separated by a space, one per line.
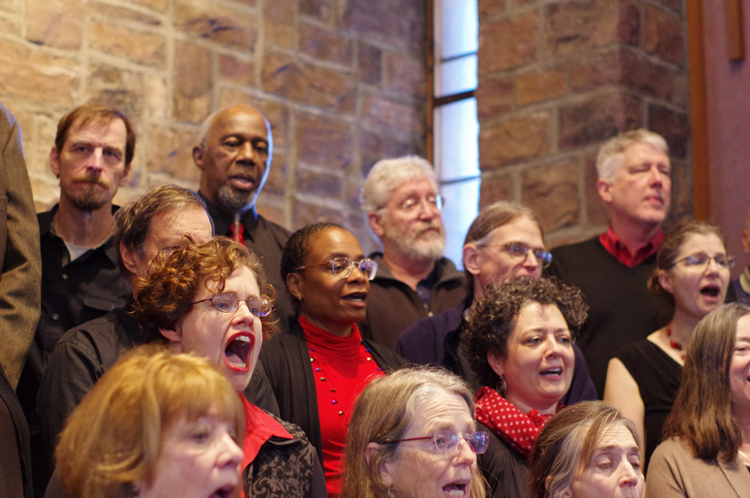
pixel 423 246
pixel 91 198
pixel 236 201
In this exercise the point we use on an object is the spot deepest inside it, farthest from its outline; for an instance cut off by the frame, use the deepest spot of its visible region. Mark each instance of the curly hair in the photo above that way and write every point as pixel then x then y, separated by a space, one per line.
pixel 112 440
pixel 495 317
pixel 166 295
pixel 298 246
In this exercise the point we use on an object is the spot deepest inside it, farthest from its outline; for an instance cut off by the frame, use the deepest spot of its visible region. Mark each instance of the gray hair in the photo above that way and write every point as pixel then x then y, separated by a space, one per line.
pixel 388 174
pixel 610 156
pixel 206 126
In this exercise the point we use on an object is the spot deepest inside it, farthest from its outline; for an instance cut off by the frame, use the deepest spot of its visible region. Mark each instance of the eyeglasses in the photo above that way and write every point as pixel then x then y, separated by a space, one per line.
pixel 447 441
pixel 228 303
pixel 520 251
pixel 410 205
pixel 342 267
pixel 697 260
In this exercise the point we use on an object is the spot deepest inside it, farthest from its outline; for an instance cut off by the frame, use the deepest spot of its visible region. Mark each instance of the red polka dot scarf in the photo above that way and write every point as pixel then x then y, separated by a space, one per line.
pixel 518 429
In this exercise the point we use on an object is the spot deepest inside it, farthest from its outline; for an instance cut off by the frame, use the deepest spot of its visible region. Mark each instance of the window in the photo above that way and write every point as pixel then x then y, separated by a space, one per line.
pixel 455 129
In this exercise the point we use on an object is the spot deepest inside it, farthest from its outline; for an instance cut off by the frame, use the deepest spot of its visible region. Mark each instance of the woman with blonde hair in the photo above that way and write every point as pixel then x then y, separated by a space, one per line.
pixel 587 450
pixel 413 434
pixel 155 425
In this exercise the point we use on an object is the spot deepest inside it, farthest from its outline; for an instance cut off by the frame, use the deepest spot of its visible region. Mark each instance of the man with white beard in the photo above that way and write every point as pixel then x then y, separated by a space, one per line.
pixel 413 280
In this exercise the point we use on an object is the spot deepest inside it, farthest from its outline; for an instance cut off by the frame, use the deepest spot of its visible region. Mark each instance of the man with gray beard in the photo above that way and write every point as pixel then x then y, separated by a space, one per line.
pixel 414 280
pixel 234 155
pixel 91 157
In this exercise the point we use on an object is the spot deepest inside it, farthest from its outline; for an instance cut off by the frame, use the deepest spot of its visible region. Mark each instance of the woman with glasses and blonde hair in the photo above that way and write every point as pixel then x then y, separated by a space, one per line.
pixel 156 424
pixel 504 241
pixel 588 450
pixel 413 435
pixel 692 275
pixel 318 368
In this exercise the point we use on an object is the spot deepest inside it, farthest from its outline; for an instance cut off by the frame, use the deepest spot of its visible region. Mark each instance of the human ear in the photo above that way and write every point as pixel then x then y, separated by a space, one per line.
pixel 604 187
pixel 294 284
pixel 746 240
pixel 471 258
pixel 385 467
pixel 174 337
pixel 496 363
pixel 128 259
pixel 373 218
pixel 54 161
pixel 198 156
pixel 665 280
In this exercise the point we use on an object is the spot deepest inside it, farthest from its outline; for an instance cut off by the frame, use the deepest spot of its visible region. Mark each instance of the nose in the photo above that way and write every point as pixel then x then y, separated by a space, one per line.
pixel 243 313
pixel 247 152
pixel 96 160
pixel 630 475
pixel 530 261
pixel 656 176
pixel 230 454
pixel 356 275
pixel 464 454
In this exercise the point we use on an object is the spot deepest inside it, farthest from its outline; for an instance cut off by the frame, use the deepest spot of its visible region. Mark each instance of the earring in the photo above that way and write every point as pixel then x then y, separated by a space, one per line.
pixel 299 296
pixel 501 387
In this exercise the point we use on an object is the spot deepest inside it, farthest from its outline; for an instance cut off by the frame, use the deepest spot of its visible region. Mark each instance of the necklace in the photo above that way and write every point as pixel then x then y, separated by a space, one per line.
pixel 745 459
pixel 674 344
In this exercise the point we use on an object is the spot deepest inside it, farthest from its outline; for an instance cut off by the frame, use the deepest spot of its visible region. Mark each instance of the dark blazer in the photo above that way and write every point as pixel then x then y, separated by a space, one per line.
pixel 20 259
pixel 287 364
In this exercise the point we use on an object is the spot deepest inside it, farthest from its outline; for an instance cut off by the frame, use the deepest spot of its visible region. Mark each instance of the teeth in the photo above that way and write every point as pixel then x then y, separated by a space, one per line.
pixel 242 338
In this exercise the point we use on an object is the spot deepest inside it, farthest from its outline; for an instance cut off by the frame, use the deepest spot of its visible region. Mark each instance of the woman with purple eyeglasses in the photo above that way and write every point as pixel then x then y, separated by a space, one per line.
pixel 318 368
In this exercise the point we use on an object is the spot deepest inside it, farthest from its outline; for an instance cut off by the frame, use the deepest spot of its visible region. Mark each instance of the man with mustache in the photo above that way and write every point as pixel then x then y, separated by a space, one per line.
pixel 414 280
pixel 612 269
pixel 234 153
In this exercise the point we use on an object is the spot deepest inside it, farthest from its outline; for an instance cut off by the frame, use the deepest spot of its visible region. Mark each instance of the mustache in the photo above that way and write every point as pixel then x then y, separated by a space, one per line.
pixel 90 177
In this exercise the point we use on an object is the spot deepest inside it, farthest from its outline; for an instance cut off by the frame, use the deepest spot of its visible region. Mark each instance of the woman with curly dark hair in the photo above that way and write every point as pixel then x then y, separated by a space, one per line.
pixel 520 346
pixel 212 300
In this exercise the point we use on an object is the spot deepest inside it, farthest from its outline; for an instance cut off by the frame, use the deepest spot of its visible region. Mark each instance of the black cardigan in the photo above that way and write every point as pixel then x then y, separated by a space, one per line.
pixel 287 363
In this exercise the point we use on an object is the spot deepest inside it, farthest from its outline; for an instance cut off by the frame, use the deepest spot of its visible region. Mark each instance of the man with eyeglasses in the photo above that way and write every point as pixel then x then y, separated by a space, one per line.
pixel 741 285
pixel 612 269
pixel 414 280
pixel 160 220
pixel 504 241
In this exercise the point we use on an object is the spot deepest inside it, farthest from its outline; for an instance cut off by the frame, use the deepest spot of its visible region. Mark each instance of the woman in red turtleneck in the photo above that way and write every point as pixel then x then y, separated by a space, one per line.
pixel 318 369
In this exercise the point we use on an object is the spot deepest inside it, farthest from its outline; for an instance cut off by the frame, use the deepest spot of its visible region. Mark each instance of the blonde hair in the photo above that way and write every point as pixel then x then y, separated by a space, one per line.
pixel 610 156
pixel 112 439
pixel 381 414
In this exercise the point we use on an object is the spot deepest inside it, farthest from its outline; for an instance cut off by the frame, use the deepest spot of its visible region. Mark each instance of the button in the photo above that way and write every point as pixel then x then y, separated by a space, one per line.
pixel 64 276
pixel 55 316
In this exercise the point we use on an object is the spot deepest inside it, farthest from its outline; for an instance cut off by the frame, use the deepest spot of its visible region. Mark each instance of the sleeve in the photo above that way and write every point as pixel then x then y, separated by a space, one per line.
pixel 71 372
pixel 259 391
pixel 665 473
pixel 20 280
pixel 318 483
pixel 504 476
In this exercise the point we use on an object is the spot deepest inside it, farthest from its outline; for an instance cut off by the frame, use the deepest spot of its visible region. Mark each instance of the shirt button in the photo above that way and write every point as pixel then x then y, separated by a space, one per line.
pixel 55 316
pixel 64 276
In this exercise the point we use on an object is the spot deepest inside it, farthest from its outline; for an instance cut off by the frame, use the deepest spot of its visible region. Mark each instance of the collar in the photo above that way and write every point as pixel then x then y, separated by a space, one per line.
pixel 46 229
pixel 443 271
pixel 616 248
pixel 249 218
pixel 259 428
pixel 745 280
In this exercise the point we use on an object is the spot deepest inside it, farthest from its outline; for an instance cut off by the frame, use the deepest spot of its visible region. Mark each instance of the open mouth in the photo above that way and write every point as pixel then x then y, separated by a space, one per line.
pixel 552 371
pixel 356 297
pixel 456 489
pixel 237 351
pixel 242 181
pixel 224 492
pixel 711 290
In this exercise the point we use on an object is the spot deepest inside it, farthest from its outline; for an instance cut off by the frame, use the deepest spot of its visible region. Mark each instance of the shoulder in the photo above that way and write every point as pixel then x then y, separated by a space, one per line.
pixel 384 356
pixel 279 231
pixel 431 328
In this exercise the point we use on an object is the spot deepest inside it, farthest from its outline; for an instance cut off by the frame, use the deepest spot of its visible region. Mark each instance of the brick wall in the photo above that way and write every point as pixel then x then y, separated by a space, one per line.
pixel 559 77
pixel 341 81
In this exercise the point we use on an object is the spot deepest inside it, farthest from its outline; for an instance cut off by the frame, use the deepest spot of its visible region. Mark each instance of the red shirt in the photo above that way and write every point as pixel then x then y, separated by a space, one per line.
pixel 620 251
pixel 342 367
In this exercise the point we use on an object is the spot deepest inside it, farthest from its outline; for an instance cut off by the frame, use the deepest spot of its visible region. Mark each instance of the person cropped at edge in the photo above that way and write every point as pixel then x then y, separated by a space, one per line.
pixel 414 280
pixel 160 220
pixel 504 241
pixel 519 344
pixel 692 275
pixel 741 285
pixel 612 269
pixel 707 434
pixel 589 450
pixel 413 435
pixel 318 368
pixel 20 276
pixel 234 153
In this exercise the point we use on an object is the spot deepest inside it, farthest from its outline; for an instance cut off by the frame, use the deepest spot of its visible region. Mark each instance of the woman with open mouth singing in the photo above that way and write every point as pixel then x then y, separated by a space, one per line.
pixel 212 300
pixel 319 367
pixel 520 345
pixel 692 275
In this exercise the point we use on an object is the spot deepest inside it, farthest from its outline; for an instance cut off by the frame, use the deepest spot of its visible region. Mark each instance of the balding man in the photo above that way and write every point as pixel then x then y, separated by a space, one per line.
pixel 234 156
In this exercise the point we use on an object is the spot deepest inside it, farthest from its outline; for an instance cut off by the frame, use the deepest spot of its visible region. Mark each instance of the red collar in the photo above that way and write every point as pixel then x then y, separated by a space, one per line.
pixel 259 428
pixel 612 244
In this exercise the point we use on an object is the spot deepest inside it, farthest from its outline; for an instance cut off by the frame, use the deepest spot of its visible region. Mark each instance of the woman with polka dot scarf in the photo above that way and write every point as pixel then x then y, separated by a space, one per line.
pixel 520 345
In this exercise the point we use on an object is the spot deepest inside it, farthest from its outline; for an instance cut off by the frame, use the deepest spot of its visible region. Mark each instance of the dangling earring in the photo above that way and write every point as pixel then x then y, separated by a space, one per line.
pixel 390 492
pixel 501 387
pixel 299 296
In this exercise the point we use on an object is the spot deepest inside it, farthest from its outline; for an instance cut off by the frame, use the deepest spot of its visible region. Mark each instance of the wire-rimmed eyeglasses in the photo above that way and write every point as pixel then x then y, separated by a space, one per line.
pixel 447 441
pixel 520 251
pixel 228 303
pixel 696 260
pixel 343 267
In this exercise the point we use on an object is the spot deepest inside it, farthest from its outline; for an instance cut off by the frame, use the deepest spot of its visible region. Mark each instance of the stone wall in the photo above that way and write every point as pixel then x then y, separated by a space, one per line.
pixel 559 77
pixel 341 81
